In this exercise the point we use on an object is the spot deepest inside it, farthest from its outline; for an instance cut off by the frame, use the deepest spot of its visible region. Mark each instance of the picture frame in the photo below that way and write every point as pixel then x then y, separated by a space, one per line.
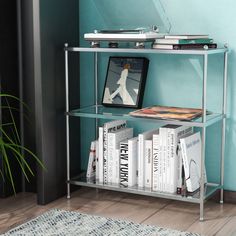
pixel 125 82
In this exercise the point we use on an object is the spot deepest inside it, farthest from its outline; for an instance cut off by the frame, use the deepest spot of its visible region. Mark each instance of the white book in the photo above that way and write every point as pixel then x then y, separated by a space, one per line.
pixel 187 36
pixel 97 160
pixel 117 166
pixel 148 164
pixel 191 154
pixel 100 155
pixel 174 133
pixel 142 137
pixel 132 161
pixel 114 139
pixel 91 169
pixel 124 164
pixel 156 163
pixel 108 127
pixel 180 171
pixel 163 158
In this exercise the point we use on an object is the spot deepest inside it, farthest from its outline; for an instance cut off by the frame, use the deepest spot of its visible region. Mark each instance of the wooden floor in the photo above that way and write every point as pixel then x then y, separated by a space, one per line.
pixel 219 219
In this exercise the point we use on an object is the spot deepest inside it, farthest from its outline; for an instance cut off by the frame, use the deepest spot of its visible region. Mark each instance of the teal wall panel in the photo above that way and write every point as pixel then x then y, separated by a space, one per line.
pixel 172 80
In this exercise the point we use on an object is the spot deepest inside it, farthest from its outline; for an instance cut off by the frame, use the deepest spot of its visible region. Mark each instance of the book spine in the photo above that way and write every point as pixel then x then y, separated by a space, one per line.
pixel 97 159
pixel 109 127
pixel 173 161
pixel 114 140
pixel 141 162
pixel 163 137
pixel 132 162
pixel 148 164
pixel 194 46
pixel 105 153
pixel 156 163
pixel 169 169
pixel 111 147
pixel 91 162
pixel 179 171
pixel 116 167
pixel 184 41
pixel 124 164
pixel 100 155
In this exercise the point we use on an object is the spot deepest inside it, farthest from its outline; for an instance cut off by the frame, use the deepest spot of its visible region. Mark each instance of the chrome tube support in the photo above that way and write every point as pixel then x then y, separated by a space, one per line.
pixel 224 107
pixel 67 121
pixel 202 164
pixel 96 90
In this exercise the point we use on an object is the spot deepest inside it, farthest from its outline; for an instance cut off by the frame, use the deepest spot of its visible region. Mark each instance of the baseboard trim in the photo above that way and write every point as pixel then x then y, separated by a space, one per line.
pixel 229 196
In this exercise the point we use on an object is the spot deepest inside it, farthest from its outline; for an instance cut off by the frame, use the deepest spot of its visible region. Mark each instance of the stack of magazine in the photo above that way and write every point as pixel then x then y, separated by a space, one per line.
pixel 184 42
pixel 165 159
pixel 168 113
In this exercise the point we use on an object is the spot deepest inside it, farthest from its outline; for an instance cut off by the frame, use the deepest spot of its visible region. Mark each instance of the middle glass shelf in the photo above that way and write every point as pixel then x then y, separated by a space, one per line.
pixel 101 112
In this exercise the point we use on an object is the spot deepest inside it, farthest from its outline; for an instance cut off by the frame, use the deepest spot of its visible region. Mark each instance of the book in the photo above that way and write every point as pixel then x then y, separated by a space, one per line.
pixel 191 156
pixel 114 139
pixel 132 161
pixel 100 155
pixel 180 171
pixel 124 165
pixel 116 174
pixel 141 149
pixel 183 41
pixel 163 158
pixel 170 113
pixel 108 127
pixel 148 164
pixel 184 46
pixel 97 160
pixel 156 175
pixel 186 36
pixel 91 169
pixel 174 133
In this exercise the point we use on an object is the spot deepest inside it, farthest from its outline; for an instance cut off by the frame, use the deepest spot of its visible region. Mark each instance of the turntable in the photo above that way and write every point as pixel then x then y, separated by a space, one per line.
pixel 113 37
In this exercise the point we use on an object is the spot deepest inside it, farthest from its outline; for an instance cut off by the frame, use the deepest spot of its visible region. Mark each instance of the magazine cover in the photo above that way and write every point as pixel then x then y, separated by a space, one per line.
pixel 171 113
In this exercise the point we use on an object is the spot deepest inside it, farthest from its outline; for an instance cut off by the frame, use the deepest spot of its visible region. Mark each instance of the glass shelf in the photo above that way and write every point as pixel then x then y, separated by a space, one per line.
pixel 210 189
pixel 101 112
pixel 148 50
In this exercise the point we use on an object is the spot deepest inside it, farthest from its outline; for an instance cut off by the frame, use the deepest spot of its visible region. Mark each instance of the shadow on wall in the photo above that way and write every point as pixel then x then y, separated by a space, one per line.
pixel 116 14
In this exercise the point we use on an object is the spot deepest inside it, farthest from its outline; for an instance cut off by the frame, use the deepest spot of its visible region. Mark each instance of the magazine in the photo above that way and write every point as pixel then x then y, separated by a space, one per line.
pixel 169 113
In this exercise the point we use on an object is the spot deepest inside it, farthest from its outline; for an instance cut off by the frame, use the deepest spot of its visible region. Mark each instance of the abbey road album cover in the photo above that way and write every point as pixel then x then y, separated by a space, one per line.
pixel 125 81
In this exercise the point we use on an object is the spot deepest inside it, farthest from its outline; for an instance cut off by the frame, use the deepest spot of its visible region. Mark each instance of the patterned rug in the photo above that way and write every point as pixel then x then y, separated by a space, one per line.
pixel 66 223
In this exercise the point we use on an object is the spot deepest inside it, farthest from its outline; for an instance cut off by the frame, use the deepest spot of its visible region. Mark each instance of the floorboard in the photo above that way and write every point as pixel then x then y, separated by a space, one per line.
pixel 220 220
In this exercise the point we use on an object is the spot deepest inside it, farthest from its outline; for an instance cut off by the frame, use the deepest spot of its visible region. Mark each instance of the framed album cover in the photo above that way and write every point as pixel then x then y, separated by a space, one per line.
pixel 125 81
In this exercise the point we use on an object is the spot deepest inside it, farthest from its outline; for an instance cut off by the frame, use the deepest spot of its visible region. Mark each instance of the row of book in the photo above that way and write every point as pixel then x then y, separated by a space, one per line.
pixel 166 159
pixel 184 42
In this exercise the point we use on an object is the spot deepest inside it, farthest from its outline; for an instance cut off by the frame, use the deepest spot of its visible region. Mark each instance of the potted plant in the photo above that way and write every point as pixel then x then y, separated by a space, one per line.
pixel 10 143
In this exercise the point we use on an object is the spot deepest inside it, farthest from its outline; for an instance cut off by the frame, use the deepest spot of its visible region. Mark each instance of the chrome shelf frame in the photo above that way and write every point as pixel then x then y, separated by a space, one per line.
pixel 203 122
pixel 209 190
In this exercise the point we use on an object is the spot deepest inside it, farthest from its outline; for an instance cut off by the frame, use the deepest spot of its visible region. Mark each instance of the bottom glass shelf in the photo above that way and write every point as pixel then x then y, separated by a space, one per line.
pixel 210 189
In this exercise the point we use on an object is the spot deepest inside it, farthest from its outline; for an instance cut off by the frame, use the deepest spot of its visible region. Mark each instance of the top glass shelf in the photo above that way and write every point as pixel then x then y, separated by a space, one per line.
pixel 148 50
pixel 101 112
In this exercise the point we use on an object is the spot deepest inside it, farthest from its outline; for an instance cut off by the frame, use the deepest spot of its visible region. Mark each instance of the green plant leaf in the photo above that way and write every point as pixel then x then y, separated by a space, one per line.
pixel 8 168
pixel 22 167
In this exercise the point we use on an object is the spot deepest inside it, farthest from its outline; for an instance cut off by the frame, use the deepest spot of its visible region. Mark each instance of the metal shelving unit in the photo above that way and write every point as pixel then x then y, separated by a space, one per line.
pixel 99 112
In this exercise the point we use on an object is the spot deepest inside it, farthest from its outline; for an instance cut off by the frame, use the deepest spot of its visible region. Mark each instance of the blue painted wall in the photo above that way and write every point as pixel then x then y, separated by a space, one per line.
pixel 172 80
